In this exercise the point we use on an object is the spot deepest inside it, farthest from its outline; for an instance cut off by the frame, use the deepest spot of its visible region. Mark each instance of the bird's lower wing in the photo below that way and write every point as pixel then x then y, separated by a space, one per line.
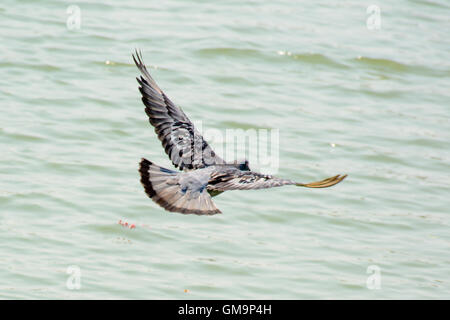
pixel 323 183
pixel 249 180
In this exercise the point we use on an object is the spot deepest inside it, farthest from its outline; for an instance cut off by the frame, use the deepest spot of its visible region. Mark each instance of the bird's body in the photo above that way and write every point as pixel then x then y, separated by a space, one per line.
pixel 204 174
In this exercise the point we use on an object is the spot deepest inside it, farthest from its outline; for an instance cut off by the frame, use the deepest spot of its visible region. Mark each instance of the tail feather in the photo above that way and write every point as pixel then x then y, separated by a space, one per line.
pixel 162 186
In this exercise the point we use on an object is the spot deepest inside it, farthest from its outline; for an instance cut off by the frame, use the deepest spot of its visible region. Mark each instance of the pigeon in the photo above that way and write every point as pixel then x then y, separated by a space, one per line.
pixel 203 174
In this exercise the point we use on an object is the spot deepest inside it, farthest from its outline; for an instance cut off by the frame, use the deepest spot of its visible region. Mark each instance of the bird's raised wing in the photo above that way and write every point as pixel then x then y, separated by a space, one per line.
pixel 182 142
pixel 249 180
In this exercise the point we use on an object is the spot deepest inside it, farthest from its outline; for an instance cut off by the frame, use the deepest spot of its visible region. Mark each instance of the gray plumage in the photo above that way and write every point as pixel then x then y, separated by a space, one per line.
pixel 182 142
pixel 204 174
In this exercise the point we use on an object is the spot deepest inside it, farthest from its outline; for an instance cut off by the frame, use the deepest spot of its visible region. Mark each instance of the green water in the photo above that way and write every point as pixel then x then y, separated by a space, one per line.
pixel 373 104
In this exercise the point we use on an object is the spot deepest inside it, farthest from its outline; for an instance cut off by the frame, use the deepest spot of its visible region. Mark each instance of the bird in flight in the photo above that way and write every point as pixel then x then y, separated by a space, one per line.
pixel 203 174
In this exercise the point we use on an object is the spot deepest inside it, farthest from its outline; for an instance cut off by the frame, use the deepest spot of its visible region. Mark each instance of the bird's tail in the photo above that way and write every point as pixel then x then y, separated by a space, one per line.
pixel 323 183
pixel 162 186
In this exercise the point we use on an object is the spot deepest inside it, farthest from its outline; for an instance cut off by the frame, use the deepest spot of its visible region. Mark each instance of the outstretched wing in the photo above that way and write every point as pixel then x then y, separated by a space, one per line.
pixel 182 142
pixel 249 180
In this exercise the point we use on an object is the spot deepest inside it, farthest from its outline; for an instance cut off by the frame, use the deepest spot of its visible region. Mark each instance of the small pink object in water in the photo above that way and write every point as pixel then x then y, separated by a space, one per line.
pixel 125 224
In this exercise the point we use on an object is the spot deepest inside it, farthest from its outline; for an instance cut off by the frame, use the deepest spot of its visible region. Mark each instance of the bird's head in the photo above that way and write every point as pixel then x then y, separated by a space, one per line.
pixel 242 165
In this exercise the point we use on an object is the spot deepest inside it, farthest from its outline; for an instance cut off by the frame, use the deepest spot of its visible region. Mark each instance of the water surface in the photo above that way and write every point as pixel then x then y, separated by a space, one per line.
pixel 373 104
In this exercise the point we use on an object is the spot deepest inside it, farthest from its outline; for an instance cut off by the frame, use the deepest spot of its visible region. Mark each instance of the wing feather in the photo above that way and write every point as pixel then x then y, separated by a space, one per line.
pixel 249 180
pixel 183 144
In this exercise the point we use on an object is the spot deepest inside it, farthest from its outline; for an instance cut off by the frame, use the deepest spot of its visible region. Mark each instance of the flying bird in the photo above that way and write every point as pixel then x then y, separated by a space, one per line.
pixel 203 173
